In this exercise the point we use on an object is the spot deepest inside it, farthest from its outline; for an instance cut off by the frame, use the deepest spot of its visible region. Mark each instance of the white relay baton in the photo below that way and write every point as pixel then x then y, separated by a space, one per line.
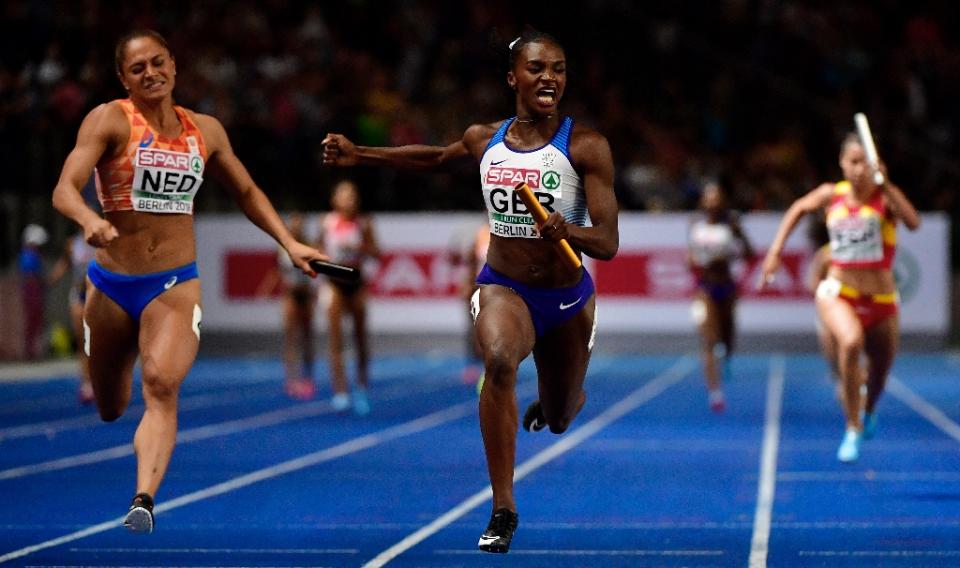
pixel 866 138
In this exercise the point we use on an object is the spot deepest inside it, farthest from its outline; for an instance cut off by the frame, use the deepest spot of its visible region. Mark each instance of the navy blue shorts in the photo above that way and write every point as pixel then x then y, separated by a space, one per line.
pixel 133 292
pixel 719 292
pixel 549 307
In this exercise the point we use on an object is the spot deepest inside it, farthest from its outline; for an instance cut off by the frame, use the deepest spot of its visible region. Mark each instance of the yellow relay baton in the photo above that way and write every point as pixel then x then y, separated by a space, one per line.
pixel 540 216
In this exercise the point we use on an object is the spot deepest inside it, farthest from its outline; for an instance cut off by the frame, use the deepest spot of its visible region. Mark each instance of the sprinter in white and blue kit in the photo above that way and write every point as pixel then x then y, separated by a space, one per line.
pixel 529 300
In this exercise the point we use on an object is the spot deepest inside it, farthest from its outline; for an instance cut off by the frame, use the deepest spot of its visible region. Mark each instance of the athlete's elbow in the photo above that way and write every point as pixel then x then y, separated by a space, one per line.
pixel 608 251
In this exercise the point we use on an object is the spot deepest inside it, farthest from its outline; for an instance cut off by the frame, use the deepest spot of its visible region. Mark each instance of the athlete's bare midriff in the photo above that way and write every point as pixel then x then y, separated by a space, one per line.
pixel 867 280
pixel 534 262
pixel 148 243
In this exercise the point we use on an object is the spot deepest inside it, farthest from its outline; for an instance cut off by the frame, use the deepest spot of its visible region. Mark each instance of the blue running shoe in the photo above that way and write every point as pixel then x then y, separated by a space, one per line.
pixel 340 402
pixel 361 405
pixel 849 450
pixel 869 425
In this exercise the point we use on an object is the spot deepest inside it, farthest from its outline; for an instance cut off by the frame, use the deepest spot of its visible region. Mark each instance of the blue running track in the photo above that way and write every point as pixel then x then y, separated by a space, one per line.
pixel 646 476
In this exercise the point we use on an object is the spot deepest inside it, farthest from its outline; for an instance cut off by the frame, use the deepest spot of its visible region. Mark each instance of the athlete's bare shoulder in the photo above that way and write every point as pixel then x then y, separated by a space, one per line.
pixel 588 146
pixel 214 135
pixel 477 136
pixel 106 124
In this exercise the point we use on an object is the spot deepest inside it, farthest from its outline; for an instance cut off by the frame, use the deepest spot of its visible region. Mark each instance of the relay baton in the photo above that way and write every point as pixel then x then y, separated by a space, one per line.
pixel 540 216
pixel 866 138
pixel 335 271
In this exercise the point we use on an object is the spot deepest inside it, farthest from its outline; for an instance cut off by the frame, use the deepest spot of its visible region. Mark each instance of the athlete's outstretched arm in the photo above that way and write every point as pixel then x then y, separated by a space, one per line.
pixel 591 152
pixel 231 173
pixel 99 130
pixel 806 204
pixel 338 150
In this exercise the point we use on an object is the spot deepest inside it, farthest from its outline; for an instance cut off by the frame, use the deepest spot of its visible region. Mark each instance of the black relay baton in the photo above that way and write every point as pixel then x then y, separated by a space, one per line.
pixel 335 271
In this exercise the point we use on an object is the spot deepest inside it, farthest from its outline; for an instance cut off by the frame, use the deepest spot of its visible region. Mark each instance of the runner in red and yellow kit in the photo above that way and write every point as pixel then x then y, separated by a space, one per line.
pixel 143 288
pixel 857 302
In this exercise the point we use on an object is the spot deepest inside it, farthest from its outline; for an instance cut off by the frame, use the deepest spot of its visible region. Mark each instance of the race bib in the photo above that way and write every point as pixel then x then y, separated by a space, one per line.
pixel 166 181
pixel 856 239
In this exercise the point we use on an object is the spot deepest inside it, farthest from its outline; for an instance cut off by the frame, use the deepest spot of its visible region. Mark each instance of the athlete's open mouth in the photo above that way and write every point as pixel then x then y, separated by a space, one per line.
pixel 547 96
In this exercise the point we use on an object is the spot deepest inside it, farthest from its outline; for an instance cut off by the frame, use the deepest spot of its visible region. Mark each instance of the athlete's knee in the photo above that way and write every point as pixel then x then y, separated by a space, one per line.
pixel 159 382
pixel 500 369
pixel 110 413
pixel 850 345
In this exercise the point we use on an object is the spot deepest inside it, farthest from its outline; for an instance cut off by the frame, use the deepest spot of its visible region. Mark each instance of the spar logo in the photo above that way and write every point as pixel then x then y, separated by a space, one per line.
pixel 512 176
pixel 149 158
pixel 551 180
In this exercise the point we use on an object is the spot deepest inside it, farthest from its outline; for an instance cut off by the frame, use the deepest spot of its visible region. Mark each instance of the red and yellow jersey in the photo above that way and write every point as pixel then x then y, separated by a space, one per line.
pixel 153 173
pixel 861 236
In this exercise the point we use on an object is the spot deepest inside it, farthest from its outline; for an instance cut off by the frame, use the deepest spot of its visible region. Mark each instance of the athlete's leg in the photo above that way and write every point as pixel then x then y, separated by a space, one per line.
pixel 85 392
pixel 562 355
pixel 358 310
pixel 506 336
pixel 305 311
pixel 841 322
pixel 338 376
pixel 169 338
pixel 882 341
pixel 110 337
pixel 707 313
pixel 291 332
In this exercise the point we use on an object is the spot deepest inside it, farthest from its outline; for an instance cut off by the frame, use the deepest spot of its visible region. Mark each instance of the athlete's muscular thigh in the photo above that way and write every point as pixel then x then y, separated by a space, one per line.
pixel 562 355
pixel 111 338
pixel 169 338
pixel 504 329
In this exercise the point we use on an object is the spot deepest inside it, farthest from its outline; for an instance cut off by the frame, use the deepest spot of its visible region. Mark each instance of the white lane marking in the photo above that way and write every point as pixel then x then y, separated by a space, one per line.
pixel 51 428
pixel 571 440
pixel 271 418
pixel 586 552
pixel 883 553
pixel 353 446
pixel 869 475
pixel 43 371
pixel 760 541
pixel 934 415
pixel 221 550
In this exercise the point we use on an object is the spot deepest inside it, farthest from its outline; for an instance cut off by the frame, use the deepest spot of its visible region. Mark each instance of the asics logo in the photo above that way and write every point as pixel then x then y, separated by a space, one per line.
pixel 170 283
pixel 571 304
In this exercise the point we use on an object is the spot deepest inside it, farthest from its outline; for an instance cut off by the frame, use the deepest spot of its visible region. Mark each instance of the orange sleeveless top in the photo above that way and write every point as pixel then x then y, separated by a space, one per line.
pixel 153 174
pixel 861 236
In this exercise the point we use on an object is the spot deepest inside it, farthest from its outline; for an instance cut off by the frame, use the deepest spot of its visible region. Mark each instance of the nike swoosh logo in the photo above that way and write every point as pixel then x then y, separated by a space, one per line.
pixel 570 305
pixel 170 283
pixel 497 163
pixel 488 539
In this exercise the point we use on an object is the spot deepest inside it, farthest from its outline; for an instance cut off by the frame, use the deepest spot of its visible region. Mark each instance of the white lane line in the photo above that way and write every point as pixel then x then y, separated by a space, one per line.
pixel 220 550
pixel 51 428
pixel 585 552
pixel 883 553
pixel 934 415
pixel 353 446
pixel 869 475
pixel 45 370
pixel 760 541
pixel 190 435
pixel 571 440
pixel 239 392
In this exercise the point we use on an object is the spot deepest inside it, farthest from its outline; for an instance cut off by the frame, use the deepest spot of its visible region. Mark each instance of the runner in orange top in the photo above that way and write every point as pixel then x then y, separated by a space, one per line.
pixel 857 302
pixel 144 288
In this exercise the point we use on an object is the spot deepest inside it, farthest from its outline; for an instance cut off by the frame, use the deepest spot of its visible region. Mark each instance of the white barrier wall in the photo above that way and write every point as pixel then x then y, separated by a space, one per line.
pixel 646 288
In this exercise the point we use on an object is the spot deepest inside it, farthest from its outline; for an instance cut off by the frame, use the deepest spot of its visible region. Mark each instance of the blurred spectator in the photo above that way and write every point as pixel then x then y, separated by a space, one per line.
pixel 739 90
pixel 33 286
